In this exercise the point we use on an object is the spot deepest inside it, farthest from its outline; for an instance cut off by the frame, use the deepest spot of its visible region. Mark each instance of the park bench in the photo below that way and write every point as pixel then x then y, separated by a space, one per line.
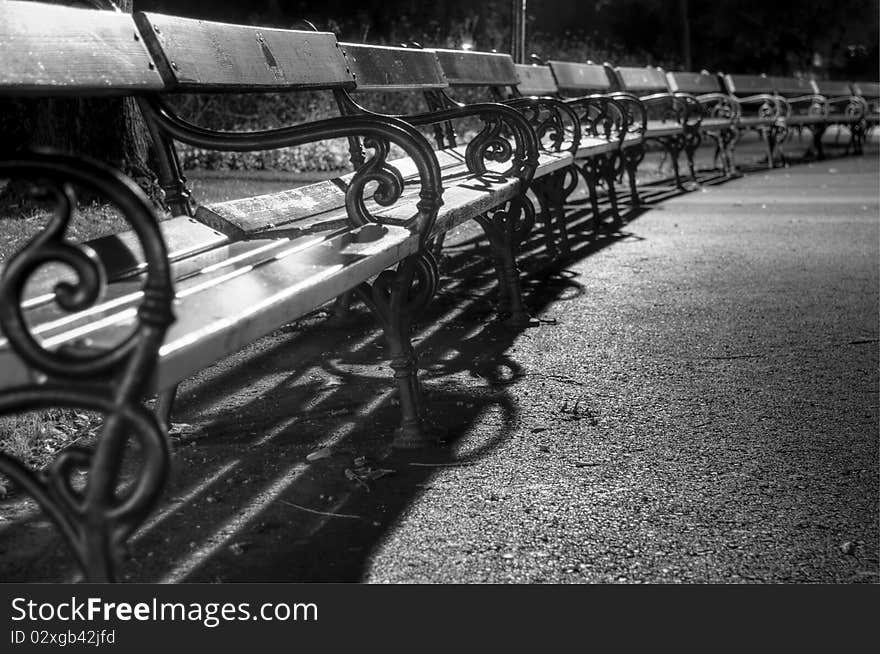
pixel 132 321
pixel 674 117
pixel 491 76
pixel 605 124
pixel 869 92
pixel 588 80
pixel 806 108
pixel 720 112
pixel 842 109
pixel 486 179
pixel 760 110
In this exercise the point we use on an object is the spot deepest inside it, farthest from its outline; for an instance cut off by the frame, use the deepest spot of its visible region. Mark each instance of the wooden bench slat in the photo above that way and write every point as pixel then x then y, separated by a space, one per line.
pixel 50 321
pixel 867 89
pixel 642 80
pixel 293 212
pixel 833 88
pixel 195 55
pixel 217 319
pixel 694 83
pixel 792 86
pixel 71 51
pixel 121 255
pixel 536 80
pixel 577 77
pixel 468 68
pixel 743 85
pixel 382 68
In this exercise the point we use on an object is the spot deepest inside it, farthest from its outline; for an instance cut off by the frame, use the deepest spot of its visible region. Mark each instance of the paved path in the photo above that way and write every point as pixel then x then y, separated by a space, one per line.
pixel 700 405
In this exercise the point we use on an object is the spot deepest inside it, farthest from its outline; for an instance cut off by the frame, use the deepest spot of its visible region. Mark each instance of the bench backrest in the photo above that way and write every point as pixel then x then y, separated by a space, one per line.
pixel 470 68
pixel 790 87
pixel 868 90
pixel 574 78
pixel 382 68
pixel 641 81
pixel 694 83
pixel 50 48
pixel 833 88
pixel 536 80
pixel 199 55
pixel 745 85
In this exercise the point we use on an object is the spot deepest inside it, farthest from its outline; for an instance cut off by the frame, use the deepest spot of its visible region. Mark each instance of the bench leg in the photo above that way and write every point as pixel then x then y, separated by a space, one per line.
pixel 692 141
pixel 590 170
pixel 610 170
pixel 632 157
pixel 506 228
pixel 395 297
pixel 164 407
pixel 549 191
pixel 818 133
pixel 729 139
pixel 557 192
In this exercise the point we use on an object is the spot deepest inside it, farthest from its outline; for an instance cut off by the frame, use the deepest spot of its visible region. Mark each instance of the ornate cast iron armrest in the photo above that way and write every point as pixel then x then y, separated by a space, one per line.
pixel 635 112
pixel 816 104
pixel 112 381
pixel 672 107
pixel 693 109
pixel 853 105
pixel 768 106
pixel 603 116
pixel 546 117
pixel 377 131
pixel 490 143
pixel 720 105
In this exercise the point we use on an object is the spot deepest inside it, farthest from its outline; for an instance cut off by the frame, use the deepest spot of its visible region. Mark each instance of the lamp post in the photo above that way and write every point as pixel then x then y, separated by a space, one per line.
pixel 518 31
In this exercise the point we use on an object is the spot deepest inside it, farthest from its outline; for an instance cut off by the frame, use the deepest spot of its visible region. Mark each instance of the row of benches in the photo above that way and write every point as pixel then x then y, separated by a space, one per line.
pixel 105 324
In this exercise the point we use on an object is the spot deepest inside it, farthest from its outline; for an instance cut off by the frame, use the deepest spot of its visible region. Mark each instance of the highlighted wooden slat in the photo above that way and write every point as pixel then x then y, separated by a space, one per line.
pixel 236 306
pixel 743 85
pixel 575 77
pixel 694 83
pixel 536 80
pixel 642 80
pixel 71 51
pixel 201 55
pixel 380 68
pixel 469 68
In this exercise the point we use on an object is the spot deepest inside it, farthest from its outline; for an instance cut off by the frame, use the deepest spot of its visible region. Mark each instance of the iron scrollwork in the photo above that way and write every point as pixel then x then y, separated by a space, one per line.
pixel 96 520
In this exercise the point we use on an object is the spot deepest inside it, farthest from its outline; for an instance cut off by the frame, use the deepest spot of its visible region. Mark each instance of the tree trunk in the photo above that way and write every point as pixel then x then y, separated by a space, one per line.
pixel 110 130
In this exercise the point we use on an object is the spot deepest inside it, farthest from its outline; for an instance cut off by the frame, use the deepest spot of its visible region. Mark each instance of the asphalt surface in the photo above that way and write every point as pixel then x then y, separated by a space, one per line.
pixel 699 404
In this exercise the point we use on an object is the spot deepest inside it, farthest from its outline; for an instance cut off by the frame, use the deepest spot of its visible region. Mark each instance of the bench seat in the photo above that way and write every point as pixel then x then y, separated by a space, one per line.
pixel 320 206
pixel 225 297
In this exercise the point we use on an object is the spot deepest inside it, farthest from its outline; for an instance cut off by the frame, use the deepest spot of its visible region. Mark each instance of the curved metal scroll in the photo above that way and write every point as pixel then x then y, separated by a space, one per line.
pixel 379 130
pixel 95 521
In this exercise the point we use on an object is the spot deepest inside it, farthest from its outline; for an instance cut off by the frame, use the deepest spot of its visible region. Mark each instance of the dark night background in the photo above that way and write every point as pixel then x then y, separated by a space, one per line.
pixel 828 39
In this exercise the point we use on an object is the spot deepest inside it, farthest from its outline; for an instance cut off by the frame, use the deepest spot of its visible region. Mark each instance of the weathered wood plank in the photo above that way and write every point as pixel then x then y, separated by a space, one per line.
pixel 381 68
pixel 792 86
pixel 71 51
pixel 535 80
pixel 743 85
pixel 576 77
pixel 832 88
pixel 239 218
pixel 121 255
pixel 470 68
pixel 867 89
pixel 200 55
pixel 695 83
pixel 642 80
pixel 246 302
